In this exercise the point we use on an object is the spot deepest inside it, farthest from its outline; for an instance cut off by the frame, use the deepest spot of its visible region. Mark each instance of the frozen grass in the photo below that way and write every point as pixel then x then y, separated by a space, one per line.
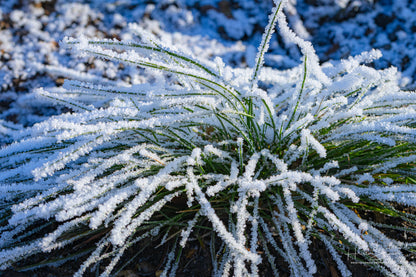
pixel 271 159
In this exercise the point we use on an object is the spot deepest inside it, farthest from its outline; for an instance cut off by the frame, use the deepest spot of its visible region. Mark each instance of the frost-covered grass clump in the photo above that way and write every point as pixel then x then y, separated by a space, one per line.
pixel 267 160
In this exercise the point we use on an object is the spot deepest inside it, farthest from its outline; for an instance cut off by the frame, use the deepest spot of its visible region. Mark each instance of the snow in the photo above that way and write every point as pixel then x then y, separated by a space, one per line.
pixel 162 92
pixel 36 27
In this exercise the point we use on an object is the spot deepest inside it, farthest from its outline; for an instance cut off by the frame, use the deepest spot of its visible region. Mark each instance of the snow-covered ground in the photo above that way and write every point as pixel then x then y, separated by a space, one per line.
pixel 31 30
pixel 336 104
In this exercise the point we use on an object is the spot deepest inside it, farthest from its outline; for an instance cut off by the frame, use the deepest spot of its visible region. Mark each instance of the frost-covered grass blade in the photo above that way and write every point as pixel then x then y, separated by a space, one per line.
pixel 262 165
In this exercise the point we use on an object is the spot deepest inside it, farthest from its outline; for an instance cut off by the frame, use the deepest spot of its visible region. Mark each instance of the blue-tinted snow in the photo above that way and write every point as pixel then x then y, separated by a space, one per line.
pixel 30 32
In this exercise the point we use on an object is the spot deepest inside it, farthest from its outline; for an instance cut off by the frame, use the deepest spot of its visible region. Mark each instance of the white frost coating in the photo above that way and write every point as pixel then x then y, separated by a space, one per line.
pixel 302 243
pixel 93 258
pixel 306 48
pixel 299 124
pixel 151 156
pixel 343 228
pixel 207 133
pixel 348 192
pixel 185 233
pixel 310 140
pixel 251 166
pixel 119 236
pixel 109 206
pixel 368 56
pixel 346 172
pixel 364 178
pixel 209 149
pixel 393 163
pixel 195 158
pixel 337 258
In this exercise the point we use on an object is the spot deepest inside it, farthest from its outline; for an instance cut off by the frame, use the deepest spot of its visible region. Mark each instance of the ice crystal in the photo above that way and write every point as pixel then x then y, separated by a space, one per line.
pixel 271 162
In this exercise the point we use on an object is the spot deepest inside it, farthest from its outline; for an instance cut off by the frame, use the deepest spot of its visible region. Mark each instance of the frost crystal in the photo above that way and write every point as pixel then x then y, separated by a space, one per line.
pixel 264 171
